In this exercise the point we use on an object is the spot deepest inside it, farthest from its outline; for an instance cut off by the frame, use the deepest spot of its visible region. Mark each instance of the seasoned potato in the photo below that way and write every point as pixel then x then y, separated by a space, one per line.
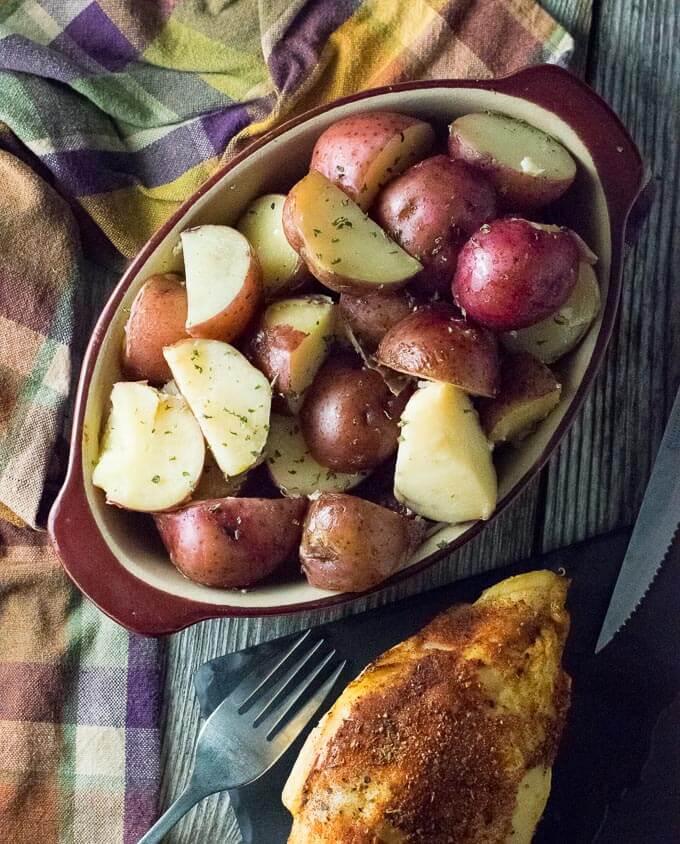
pixel 349 544
pixel 350 417
pixel 229 397
pixel 370 317
pixel 292 467
pixel 292 340
pixel 283 270
pixel 562 331
pixel 224 282
pixel 363 152
pixel 435 343
pixel 232 542
pixel 152 450
pixel 528 168
pixel 529 391
pixel 157 318
pixel 444 469
pixel 214 483
pixel 342 247
pixel 431 210
pixel 513 273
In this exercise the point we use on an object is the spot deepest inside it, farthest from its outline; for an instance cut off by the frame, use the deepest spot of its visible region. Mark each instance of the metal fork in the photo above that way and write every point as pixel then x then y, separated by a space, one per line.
pixel 255 725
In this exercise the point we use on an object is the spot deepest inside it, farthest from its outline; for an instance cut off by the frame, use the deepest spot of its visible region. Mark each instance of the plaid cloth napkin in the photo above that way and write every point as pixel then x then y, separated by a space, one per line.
pixel 111 114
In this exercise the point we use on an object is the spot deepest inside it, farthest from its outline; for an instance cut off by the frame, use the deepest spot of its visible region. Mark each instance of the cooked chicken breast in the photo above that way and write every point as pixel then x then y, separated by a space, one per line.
pixel 449 736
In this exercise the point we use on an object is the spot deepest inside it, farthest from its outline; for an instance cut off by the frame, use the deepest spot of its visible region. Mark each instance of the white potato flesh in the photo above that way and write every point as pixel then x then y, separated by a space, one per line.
pixel 217 262
pixel 152 449
pixel 558 334
pixel 293 469
pixel 522 417
pixel 229 397
pixel 262 225
pixel 517 145
pixel 444 469
pixel 313 316
pixel 339 238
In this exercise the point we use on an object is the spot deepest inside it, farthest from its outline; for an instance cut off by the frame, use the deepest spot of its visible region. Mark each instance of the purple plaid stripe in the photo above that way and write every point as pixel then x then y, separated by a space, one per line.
pixel 100 38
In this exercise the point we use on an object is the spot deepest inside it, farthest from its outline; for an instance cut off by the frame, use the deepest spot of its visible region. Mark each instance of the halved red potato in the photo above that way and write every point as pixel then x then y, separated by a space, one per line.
pixel 292 340
pixel 229 397
pixel 528 168
pixel 435 343
pixel 152 450
pixel 370 317
pixel 350 544
pixel 363 152
pixel 444 469
pixel 157 318
pixel 342 247
pixel 529 392
pixel 562 331
pixel 350 418
pixel 292 467
pixel 512 273
pixel 283 270
pixel 232 543
pixel 431 210
pixel 223 280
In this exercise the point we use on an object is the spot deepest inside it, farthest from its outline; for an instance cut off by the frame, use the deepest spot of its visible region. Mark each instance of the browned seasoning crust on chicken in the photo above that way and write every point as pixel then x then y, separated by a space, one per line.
pixel 431 742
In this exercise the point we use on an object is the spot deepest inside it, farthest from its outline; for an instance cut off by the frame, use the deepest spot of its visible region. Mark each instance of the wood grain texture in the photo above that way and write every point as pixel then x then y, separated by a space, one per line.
pixel 597 478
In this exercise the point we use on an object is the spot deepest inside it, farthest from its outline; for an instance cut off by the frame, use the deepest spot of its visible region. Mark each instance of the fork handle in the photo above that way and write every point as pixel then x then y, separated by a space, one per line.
pixel 191 795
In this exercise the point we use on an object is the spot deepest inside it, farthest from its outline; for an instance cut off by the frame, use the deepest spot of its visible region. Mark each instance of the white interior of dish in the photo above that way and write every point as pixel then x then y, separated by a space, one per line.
pixel 131 538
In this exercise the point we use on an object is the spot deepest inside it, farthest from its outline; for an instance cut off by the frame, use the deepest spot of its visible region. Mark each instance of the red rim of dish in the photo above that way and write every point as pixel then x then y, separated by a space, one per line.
pixel 145 609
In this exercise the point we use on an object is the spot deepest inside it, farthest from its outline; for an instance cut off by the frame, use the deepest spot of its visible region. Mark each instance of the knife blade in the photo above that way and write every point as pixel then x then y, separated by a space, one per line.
pixel 653 534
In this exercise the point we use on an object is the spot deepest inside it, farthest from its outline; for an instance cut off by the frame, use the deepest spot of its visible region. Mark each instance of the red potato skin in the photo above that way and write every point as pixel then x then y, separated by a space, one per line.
pixel 232 543
pixel 350 544
pixel 516 191
pixel 230 323
pixel 350 418
pixel 370 317
pixel 343 153
pixel 434 342
pixel 157 319
pixel 431 210
pixel 511 274
pixel 270 350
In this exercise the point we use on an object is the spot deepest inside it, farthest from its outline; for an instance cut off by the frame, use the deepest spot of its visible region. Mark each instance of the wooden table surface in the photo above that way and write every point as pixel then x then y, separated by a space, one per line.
pixel 628 51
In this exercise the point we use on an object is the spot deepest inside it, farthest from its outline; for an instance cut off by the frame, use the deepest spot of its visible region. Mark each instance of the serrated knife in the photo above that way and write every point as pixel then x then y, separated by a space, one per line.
pixel 653 534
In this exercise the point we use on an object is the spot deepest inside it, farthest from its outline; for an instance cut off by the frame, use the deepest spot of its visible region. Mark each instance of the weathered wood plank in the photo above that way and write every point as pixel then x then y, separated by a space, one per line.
pixel 597 480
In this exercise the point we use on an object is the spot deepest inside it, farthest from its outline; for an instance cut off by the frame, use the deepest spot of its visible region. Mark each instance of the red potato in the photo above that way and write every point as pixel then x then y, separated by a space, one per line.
pixel 512 274
pixel 363 152
pixel 435 343
pixel 431 210
pixel 224 282
pixel 370 317
pixel 349 544
pixel 349 419
pixel 232 543
pixel 157 319
pixel 528 168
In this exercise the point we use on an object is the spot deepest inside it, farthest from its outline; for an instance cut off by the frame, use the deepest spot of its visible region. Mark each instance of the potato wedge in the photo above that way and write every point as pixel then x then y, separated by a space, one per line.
pixel 562 331
pixel 232 542
pixel 529 392
pixel 283 270
pixel 152 450
pixel 444 469
pixel 157 319
pixel 342 247
pixel 292 340
pixel 292 467
pixel 229 397
pixel 213 483
pixel 224 281
pixel 370 317
pixel 435 343
pixel 349 544
pixel 361 153
pixel 528 168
